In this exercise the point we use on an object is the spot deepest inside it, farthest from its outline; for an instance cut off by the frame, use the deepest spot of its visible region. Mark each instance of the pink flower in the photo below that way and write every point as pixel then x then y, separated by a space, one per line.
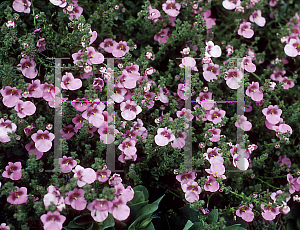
pixel 229 50
pixel 10 96
pixel 211 153
pixel 119 209
pixel 41 44
pixel 248 65
pixel 287 83
pixel 68 131
pixel 210 71
pixel 277 74
pixel 120 49
pixel 187 114
pixel 230 5
pixel 257 18
pixel 211 185
pixel 13 171
pixel 272 114
pixel 34 89
pixel 179 142
pixel 24 109
pixel 19 196
pixel 273 2
pixel 43 140
pixel 80 104
pixel 243 123
pixel 233 77
pixel 282 128
pixel 254 92
pixel 209 22
pixel 269 213
pixel 108 45
pixel 215 134
pixel 22 6
pixel 67 164
pixel 103 175
pixel 129 110
pixel 171 8
pixel 126 80
pixel 69 82
pixel 127 193
pixel 53 220
pixel 212 50
pixel 60 3
pixel 164 136
pixel 115 179
pixel 5 127
pixel 10 24
pixel 94 114
pixel 76 199
pixel 185 177
pixel 93 56
pixel 154 14
pixel 30 147
pixel 192 190
pixel 49 91
pixel 245 30
pixel 73 9
pixel 3 226
pixel 205 100
pixel 53 195
pixel 162 36
pixel 248 107
pixel 293 182
pixel 216 169
pixel 292 49
pixel 245 213
pixel 27 67
pixel 240 161
pixel 84 175
pixel 107 133
pixel 92 39
pixel 128 150
pixel 215 115
pixel 99 209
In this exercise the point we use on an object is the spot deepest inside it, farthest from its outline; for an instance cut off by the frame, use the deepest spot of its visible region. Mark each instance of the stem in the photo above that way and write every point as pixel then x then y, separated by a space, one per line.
pixel 267 183
pixel 256 76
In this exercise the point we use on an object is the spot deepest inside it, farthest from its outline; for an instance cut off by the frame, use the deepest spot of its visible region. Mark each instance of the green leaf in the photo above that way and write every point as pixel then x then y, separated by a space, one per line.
pixel 150 227
pixel 197 226
pixel 107 223
pixel 142 189
pixel 145 213
pixel 212 216
pixel 298 223
pixel 150 208
pixel 138 198
pixel 233 227
pixel 188 225
pixel 136 208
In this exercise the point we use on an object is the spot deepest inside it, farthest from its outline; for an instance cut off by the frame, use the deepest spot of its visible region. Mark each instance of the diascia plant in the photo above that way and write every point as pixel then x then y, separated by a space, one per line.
pixel 154 84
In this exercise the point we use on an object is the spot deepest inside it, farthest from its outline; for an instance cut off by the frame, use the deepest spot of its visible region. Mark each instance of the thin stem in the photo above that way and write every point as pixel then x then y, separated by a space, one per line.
pixel 267 183
pixel 256 76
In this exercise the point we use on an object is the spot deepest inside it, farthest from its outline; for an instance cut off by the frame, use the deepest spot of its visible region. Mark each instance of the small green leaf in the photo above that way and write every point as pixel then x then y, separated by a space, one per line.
pixel 138 198
pixel 212 216
pixel 188 225
pixel 142 189
pixel 233 227
pixel 298 223
pixel 197 226
pixel 107 223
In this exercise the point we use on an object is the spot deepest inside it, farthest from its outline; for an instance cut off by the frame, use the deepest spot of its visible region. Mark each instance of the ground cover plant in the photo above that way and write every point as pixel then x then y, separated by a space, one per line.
pixel 156 85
